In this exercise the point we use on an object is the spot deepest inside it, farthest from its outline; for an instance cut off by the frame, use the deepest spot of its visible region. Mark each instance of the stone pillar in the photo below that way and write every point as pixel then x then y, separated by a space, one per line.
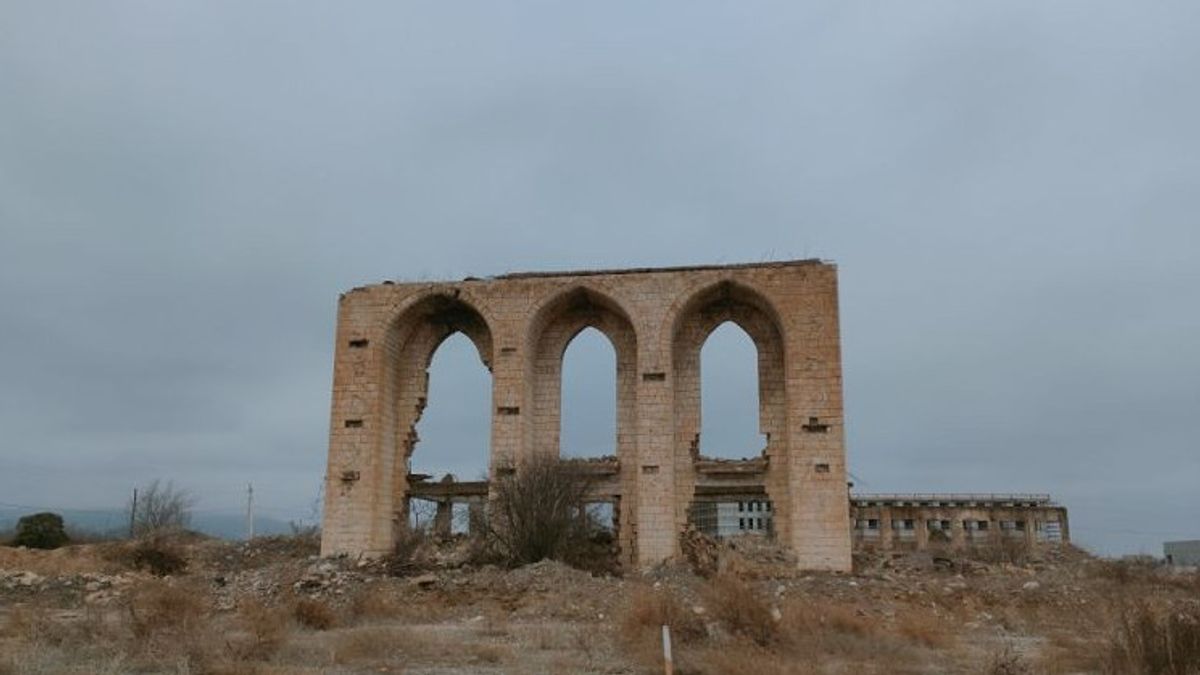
pixel 922 525
pixel 658 527
pixel 476 517
pixel 958 533
pixel 886 533
pixel 443 517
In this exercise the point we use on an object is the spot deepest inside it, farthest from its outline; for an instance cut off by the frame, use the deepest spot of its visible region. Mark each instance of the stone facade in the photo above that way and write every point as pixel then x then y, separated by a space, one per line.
pixel 657 321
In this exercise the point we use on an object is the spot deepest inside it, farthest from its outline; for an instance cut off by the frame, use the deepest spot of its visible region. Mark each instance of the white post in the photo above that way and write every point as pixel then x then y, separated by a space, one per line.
pixel 668 665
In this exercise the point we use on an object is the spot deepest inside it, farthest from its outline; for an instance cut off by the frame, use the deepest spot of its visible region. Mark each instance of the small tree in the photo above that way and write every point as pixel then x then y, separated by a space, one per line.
pixel 161 508
pixel 539 512
pixel 41 530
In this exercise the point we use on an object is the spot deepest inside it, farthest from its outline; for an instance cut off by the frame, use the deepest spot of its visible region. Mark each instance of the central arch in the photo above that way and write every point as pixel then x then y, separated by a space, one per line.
pixel 554 325
pixel 695 319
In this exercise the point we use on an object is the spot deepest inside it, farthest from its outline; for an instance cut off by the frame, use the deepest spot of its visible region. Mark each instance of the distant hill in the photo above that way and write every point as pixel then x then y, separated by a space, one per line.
pixel 222 526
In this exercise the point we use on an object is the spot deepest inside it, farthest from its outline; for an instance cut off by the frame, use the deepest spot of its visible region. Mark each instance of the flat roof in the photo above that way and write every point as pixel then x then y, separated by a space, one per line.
pixel 651 270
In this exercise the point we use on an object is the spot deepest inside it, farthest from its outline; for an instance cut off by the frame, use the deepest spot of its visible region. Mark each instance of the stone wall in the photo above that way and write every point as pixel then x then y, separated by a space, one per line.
pixel 657 321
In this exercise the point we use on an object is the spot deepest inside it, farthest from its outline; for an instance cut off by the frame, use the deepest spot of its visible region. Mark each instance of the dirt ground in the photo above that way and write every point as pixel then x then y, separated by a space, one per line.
pixel 273 606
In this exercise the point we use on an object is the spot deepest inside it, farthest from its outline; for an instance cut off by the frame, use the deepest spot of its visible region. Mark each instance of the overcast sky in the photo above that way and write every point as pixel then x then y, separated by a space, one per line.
pixel 1011 191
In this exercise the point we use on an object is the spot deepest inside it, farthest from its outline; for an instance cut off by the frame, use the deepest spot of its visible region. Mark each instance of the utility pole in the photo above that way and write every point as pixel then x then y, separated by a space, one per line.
pixel 249 511
pixel 133 513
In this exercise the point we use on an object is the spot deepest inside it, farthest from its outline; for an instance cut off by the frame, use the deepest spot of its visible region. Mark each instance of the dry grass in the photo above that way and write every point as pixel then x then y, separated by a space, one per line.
pixel 365 646
pixel 742 611
pixel 744 660
pixel 926 629
pixel 314 614
pixel 491 654
pixel 650 609
pixel 1007 661
pixel 262 630
pixel 1155 641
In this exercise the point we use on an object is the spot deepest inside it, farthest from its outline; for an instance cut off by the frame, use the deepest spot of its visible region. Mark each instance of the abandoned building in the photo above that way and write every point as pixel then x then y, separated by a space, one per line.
pixel 1182 553
pixel 921 521
pixel 657 320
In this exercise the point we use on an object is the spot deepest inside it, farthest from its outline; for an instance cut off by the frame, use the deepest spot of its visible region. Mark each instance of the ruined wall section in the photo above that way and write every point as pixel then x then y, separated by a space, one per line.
pixel 522 323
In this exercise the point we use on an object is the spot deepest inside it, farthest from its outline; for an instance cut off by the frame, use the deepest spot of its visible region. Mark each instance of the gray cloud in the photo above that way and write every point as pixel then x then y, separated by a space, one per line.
pixel 1008 189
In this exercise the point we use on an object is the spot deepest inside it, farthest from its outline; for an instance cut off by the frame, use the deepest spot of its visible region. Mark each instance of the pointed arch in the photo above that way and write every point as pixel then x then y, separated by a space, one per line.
pixel 413 334
pixel 588 426
pixel 729 399
pixel 555 324
pixel 693 321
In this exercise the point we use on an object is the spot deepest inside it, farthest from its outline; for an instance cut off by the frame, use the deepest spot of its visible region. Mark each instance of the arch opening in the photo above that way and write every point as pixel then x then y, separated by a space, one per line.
pixel 444 342
pixel 583 411
pixel 729 400
pixel 589 397
pixel 452 435
pixel 738 477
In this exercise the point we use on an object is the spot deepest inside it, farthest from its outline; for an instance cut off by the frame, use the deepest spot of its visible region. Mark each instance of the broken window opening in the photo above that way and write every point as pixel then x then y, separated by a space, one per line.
pixel 454 432
pixel 729 400
pixel 723 519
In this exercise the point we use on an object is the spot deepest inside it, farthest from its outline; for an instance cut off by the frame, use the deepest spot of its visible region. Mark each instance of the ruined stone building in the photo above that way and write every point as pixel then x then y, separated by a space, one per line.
pixel 656 483
pixel 657 321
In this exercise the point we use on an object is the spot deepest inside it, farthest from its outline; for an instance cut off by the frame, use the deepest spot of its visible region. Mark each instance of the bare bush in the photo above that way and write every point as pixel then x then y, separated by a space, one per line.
pixel 161 508
pixel 540 512
pixel 157 554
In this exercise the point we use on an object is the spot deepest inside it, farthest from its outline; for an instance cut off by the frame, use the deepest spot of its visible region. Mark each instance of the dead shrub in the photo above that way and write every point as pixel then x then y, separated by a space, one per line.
pixel 1155 641
pixel 742 611
pixel 1006 661
pixel 170 623
pixel 314 614
pixel 540 513
pixel 158 554
pixel 649 610
pixel 163 609
pixel 406 557
pixel 263 630
pixel 371 603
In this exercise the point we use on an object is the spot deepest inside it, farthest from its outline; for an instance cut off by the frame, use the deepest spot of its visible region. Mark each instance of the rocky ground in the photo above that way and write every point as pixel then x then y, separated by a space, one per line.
pixel 273 606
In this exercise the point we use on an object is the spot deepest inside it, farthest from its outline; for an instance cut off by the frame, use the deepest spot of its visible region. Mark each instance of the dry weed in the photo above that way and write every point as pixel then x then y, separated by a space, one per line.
pixel 263 630
pixel 925 629
pixel 314 614
pixel 491 654
pixel 364 646
pixel 1155 641
pixel 371 602
pixel 1006 661
pixel 650 609
pixel 741 659
pixel 742 610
